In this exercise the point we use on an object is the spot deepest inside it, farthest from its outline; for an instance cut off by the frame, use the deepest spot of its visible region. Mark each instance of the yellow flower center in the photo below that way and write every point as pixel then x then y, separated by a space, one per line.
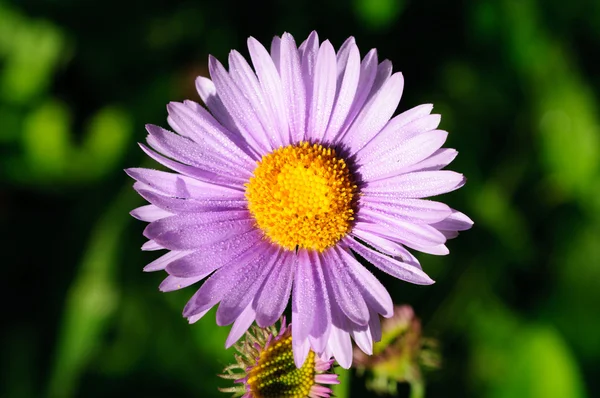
pixel 302 196
pixel 275 375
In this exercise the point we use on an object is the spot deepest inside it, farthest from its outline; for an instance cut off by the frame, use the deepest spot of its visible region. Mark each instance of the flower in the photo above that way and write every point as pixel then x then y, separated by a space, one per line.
pixel 400 356
pixel 266 368
pixel 293 171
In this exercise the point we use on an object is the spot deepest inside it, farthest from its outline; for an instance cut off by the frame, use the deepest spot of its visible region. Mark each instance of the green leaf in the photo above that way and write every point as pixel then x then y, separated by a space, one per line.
pixel 92 298
pixel 542 366
pixel 378 14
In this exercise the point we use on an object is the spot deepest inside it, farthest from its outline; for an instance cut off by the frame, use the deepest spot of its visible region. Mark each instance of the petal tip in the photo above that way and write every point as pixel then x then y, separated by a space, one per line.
pixel 131 172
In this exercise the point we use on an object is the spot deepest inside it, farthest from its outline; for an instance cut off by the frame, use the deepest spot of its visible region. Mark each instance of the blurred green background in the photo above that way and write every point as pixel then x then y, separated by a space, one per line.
pixel 516 304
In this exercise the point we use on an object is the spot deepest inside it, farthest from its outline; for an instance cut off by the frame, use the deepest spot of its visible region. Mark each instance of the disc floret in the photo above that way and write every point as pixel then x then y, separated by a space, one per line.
pixel 301 196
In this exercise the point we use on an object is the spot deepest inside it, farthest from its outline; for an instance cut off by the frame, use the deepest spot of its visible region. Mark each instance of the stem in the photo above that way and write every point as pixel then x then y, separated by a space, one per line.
pixel 417 389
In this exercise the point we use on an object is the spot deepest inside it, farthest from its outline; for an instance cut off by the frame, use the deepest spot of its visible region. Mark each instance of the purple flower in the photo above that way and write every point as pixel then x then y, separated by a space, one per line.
pixel 294 171
pixel 265 367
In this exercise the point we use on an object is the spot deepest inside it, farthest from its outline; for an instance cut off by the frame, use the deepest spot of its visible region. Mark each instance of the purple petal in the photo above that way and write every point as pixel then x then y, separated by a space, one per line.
pixel 376 296
pixel 375 326
pixel 440 159
pixel 368 70
pixel 240 326
pixel 181 221
pixel 418 126
pixel 386 232
pixel 151 246
pixel 239 107
pixel 206 89
pixel 149 213
pixel 242 74
pixel 186 151
pixel 308 49
pixel 303 297
pixel 319 333
pixel 384 71
pixel 185 268
pixel 197 317
pixel 217 130
pixel 400 128
pixel 272 87
pixel 300 348
pixel 308 58
pixel 293 86
pixel 385 245
pixel 215 255
pixel 457 221
pixel 310 304
pixel 171 283
pixel 342 56
pixel 341 346
pixel 245 290
pixel 339 339
pixel 275 52
pixel 272 298
pixel 344 290
pixel 449 234
pixel 363 339
pixel 420 184
pixel 400 270
pixel 195 172
pixel 161 263
pixel 408 233
pixel 347 84
pixel 417 211
pixel 396 159
pixel 376 113
pixel 180 186
pixel 195 122
pixel 219 285
pixel 323 92
pixel 208 93
pixel 182 205
pixel 380 243
pixel 413 114
pixel 193 230
pixel 439 250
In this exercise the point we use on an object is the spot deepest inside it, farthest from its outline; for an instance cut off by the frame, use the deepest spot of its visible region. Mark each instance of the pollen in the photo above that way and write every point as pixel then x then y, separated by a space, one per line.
pixel 302 196
pixel 275 375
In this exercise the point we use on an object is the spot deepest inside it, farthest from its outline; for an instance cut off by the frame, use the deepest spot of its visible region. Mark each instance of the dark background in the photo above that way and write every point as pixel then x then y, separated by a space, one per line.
pixel 516 303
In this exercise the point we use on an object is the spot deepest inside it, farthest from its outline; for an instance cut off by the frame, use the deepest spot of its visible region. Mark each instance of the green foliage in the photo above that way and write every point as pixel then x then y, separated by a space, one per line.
pixel 543 352
pixel 91 300
pixel 378 14
pixel 37 123
pixel 31 51
pixel 512 359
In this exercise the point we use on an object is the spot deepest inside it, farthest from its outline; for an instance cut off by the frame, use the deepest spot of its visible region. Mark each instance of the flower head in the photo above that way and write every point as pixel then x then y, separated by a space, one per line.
pixel 400 356
pixel 265 368
pixel 293 170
